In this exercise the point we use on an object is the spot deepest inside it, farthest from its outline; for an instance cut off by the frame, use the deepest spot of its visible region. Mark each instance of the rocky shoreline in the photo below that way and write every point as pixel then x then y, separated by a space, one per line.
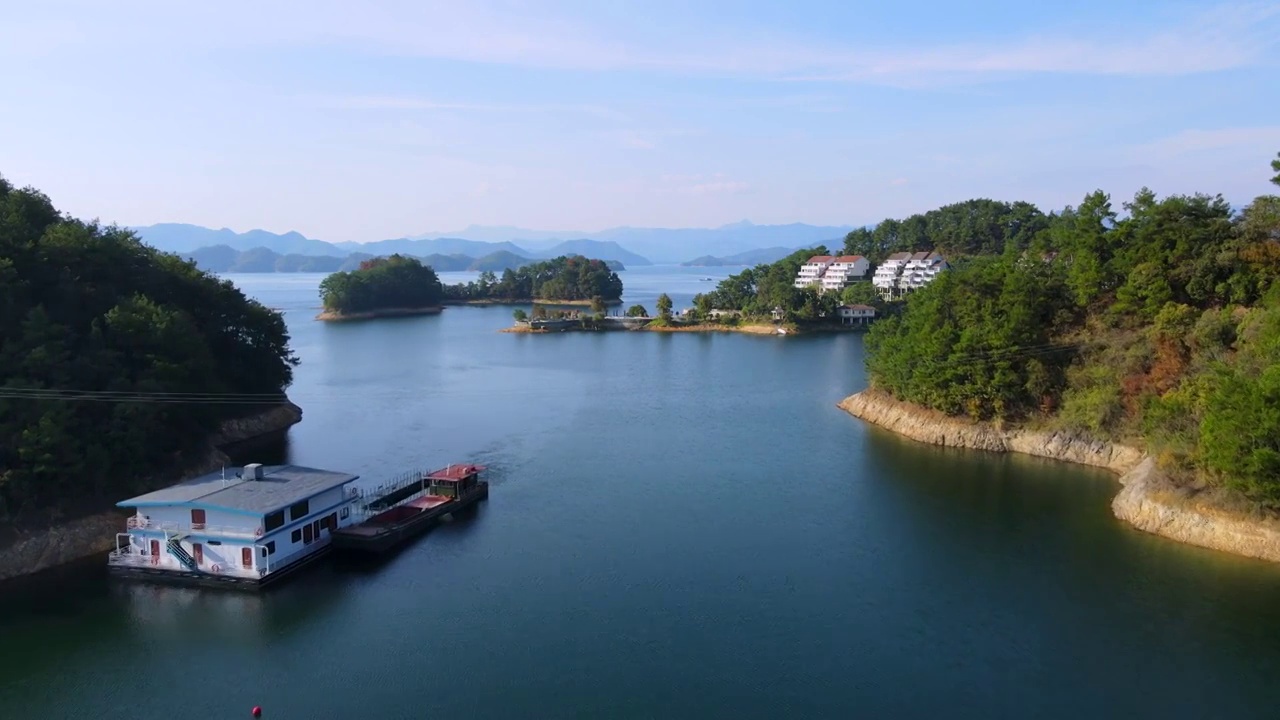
pixel 1148 499
pixel 34 551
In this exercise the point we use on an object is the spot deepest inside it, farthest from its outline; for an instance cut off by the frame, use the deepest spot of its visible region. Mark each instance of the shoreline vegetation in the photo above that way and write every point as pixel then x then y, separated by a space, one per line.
pixel 1148 499
pixel 1156 328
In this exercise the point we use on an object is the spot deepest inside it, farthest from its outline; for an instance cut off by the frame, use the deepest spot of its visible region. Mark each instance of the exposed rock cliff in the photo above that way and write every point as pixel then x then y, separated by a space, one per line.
pixel 1150 502
pixel 1148 499
pixel 31 552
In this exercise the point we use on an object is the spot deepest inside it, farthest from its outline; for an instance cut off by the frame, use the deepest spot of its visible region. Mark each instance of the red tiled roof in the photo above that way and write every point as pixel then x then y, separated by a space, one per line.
pixel 848 258
pixel 817 259
pixel 454 473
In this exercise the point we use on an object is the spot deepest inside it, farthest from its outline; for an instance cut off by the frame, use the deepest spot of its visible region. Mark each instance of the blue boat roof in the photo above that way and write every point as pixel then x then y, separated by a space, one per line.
pixel 280 486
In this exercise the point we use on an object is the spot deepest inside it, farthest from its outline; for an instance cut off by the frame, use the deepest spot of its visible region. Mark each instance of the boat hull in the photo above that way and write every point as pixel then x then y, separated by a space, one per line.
pixel 187 578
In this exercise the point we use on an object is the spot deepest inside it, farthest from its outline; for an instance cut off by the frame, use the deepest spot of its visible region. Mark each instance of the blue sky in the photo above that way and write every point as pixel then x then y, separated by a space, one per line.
pixel 363 121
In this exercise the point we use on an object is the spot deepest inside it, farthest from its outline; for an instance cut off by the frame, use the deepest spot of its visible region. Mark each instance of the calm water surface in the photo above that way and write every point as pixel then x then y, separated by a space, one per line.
pixel 679 526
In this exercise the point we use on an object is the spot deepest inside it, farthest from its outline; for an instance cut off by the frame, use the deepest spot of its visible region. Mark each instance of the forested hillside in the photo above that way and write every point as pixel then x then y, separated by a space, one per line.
pixel 115 359
pixel 1156 323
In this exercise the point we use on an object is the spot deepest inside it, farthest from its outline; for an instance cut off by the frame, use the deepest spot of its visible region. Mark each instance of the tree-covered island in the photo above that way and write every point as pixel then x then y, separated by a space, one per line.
pixel 401 285
pixel 565 280
pixel 1156 324
pixel 395 285
pixel 118 363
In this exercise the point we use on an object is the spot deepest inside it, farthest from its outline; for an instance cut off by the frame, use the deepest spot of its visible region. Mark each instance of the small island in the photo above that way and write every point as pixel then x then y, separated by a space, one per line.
pixel 565 280
pixel 382 287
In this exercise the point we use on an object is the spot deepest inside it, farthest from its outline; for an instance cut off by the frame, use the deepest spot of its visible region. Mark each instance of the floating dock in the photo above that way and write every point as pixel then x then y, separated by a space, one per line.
pixel 418 506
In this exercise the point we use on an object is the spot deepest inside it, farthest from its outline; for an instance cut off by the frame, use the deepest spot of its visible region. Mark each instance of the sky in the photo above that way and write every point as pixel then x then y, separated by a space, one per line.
pixel 386 118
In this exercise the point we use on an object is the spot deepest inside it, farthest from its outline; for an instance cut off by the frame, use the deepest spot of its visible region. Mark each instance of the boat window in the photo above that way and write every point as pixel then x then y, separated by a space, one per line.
pixel 299 510
pixel 333 522
pixel 296 536
pixel 214 542
pixel 269 549
pixel 345 513
pixel 306 534
pixel 273 521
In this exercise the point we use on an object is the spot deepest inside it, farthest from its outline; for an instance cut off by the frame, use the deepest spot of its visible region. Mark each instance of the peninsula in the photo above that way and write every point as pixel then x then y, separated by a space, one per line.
pixel 1148 343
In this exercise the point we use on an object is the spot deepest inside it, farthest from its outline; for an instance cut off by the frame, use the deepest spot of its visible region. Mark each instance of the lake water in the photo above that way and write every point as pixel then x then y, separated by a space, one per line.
pixel 679 526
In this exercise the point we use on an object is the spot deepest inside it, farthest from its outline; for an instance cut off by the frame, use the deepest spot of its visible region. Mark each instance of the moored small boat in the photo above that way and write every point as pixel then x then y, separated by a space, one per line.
pixel 447 491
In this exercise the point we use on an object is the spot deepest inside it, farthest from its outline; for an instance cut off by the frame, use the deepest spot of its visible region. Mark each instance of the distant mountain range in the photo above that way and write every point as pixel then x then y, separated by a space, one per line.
pixel 750 257
pixel 186 239
pixel 665 245
pixel 226 259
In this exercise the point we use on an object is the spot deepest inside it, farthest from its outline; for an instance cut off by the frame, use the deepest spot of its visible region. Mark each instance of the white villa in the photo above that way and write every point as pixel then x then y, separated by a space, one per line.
pixel 856 314
pixel 811 272
pixel 239 530
pixel 902 272
pixel 832 273
pixel 846 270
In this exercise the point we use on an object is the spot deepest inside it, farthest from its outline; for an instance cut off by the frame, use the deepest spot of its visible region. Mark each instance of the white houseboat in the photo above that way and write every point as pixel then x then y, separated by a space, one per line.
pixel 235 529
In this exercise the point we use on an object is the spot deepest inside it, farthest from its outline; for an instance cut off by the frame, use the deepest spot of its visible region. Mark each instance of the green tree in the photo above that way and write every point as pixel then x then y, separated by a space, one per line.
pixel 637 311
pixel 520 315
pixel 664 307
pixel 597 305
pixel 1275 166
pixel 860 293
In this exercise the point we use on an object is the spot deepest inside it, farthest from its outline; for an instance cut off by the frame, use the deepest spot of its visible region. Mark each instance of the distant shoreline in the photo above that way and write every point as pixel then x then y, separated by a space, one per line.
pixel 335 316
pixel 509 301
pixel 750 329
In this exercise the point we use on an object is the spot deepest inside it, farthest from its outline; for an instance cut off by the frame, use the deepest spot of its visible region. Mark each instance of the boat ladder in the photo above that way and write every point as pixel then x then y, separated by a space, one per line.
pixel 174 544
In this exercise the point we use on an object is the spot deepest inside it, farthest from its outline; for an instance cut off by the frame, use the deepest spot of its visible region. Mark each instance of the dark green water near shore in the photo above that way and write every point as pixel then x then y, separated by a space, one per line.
pixel 679 526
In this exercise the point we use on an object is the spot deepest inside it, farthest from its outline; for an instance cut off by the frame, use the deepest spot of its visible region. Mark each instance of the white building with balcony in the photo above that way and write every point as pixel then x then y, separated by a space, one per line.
pixel 886 276
pixel 844 271
pixel 920 270
pixel 811 272
pixel 242 529
pixel 902 272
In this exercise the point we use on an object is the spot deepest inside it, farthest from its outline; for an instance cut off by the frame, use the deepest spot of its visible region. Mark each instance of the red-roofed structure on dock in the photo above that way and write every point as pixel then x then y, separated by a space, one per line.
pixel 454 473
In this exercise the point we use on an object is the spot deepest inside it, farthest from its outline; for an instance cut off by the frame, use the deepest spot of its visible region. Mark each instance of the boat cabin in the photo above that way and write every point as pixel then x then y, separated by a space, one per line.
pixel 239 526
pixel 454 481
